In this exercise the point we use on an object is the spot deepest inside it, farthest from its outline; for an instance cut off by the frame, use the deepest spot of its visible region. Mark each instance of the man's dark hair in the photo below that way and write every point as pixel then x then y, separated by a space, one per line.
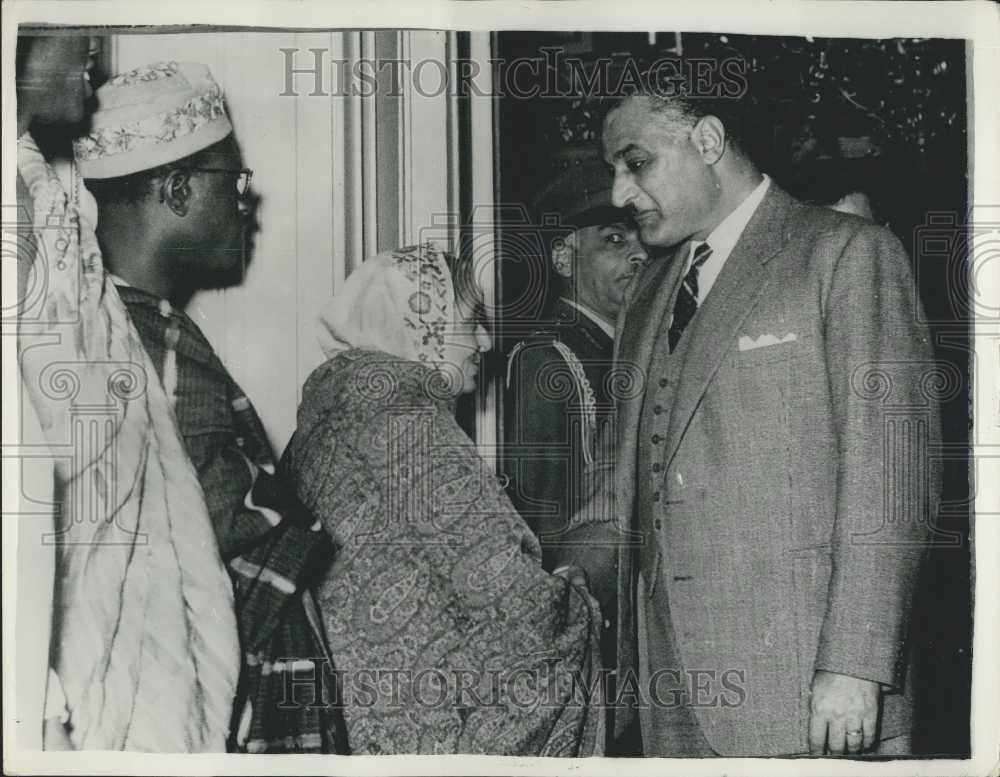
pixel 135 187
pixel 682 113
pixel 680 105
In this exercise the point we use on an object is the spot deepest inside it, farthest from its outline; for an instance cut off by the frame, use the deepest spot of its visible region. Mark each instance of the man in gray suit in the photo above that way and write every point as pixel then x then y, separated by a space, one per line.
pixel 769 506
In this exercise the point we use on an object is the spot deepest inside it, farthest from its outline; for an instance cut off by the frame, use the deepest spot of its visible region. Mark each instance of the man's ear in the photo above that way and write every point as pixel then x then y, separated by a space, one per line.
pixel 175 191
pixel 562 255
pixel 709 137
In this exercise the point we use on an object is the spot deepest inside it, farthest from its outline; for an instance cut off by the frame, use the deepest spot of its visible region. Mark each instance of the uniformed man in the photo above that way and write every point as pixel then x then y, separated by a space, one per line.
pixel 560 381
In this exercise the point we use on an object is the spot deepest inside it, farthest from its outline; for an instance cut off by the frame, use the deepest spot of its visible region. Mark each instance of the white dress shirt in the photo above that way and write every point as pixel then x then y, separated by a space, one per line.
pixel 723 239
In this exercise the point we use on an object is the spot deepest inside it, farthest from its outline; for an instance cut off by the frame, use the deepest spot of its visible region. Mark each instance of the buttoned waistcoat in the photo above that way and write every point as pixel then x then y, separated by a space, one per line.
pixel 777 473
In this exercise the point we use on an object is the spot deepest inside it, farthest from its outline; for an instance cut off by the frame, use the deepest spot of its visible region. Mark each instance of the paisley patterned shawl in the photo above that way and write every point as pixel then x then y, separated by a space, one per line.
pixel 446 633
pixel 146 646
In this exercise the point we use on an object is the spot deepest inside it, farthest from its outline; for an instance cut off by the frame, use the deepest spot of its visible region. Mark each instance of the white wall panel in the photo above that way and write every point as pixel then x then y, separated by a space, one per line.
pixel 339 177
pixel 264 330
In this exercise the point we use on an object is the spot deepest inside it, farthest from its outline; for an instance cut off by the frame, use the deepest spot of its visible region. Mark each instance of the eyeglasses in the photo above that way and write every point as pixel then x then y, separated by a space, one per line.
pixel 243 177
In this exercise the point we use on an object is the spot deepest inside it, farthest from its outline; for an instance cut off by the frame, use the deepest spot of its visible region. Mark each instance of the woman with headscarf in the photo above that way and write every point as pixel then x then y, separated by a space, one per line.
pixel 445 633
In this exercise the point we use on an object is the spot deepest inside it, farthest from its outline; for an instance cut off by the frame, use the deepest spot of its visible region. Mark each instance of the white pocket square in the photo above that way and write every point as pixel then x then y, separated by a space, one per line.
pixel 749 344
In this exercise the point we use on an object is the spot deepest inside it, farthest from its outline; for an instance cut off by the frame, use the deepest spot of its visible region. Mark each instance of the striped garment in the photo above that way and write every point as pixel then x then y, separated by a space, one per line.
pixel 273 549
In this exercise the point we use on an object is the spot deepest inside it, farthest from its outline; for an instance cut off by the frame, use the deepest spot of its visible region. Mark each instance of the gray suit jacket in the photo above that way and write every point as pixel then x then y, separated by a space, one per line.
pixel 786 510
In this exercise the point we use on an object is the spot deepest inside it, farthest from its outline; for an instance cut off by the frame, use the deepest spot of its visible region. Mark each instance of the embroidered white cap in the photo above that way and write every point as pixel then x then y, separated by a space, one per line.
pixel 150 116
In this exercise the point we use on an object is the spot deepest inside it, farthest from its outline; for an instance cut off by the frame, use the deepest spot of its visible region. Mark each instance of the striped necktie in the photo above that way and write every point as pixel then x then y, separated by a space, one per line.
pixel 687 297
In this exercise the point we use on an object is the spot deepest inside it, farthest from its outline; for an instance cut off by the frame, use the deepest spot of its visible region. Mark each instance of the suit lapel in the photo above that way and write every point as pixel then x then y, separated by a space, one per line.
pixel 636 336
pixel 654 291
pixel 719 318
pixel 634 345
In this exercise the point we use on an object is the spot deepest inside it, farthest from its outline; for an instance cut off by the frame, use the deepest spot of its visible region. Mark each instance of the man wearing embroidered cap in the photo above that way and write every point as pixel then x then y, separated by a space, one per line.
pixel 168 177
pixel 144 649
pixel 163 163
pixel 551 434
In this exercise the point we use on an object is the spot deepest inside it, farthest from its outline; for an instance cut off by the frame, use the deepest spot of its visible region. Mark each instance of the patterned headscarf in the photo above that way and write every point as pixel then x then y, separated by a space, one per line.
pixel 400 302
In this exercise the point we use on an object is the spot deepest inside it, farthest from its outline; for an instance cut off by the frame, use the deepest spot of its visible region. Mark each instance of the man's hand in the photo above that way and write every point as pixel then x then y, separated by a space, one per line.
pixel 592 549
pixel 574 574
pixel 843 713
pixel 55 736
